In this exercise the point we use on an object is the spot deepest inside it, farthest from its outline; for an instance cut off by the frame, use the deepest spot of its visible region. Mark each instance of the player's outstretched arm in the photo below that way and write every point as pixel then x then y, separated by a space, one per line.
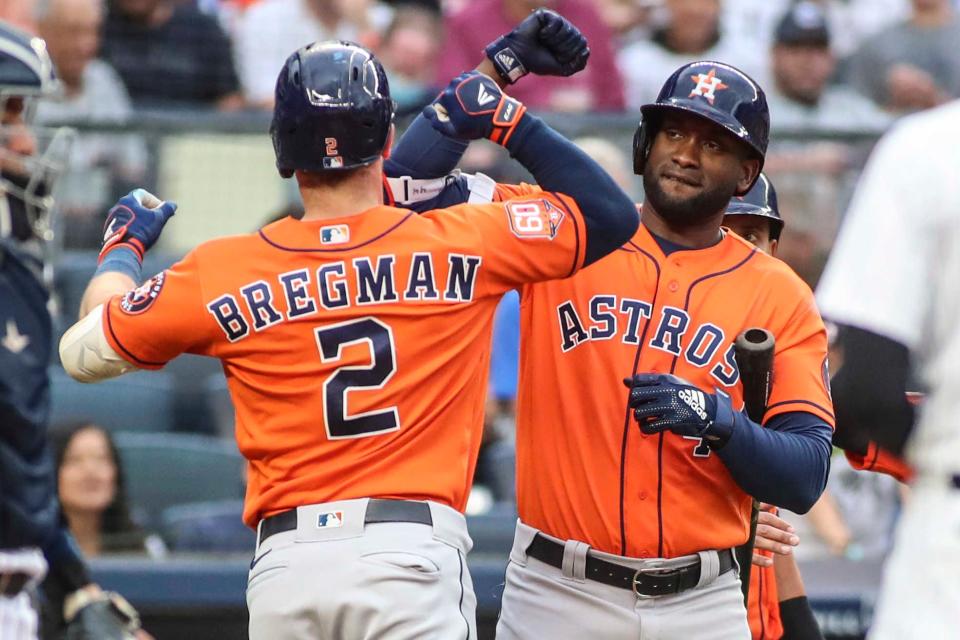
pixel 133 226
pixel 545 43
pixel 473 107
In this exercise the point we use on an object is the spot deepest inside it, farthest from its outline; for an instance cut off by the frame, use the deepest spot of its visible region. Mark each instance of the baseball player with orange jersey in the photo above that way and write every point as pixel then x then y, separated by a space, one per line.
pixel 627 532
pixel 355 343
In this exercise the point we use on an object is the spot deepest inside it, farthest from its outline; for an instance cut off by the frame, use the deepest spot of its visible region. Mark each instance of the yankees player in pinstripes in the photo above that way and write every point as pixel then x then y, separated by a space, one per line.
pixel 891 285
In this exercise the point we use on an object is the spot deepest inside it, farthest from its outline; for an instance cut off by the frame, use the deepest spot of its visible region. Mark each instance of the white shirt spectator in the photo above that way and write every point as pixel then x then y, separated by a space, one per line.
pixel 646 65
pixel 751 22
pixel 270 30
pixel 96 159
pixel 840 109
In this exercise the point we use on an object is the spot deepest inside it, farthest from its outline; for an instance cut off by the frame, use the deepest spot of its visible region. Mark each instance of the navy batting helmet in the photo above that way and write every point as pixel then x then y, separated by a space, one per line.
pixel 333 109
pixel 761 201
pixel 715 91
pixel 31 157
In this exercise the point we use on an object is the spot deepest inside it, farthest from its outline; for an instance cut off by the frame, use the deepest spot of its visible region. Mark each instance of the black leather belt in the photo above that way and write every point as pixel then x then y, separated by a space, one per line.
pixel 378 510
pixel 644 582
pixel 12 584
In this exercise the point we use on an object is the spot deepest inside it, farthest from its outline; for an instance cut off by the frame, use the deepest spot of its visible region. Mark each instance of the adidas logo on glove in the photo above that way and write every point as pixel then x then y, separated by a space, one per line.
pixel 695 400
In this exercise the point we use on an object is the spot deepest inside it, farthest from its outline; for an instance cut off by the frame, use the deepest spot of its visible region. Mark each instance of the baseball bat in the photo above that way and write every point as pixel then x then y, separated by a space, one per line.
pixel 754 353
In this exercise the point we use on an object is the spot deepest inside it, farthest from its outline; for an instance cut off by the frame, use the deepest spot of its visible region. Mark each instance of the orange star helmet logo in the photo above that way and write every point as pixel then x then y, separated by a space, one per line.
pixel 707 85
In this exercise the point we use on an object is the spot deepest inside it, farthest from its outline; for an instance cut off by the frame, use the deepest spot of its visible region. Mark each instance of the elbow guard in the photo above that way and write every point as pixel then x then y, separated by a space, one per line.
pixel 85 353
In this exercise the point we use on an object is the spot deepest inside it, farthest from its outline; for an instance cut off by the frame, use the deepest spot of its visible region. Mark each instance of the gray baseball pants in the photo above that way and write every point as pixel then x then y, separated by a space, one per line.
pixel 541 601
pixel 336 577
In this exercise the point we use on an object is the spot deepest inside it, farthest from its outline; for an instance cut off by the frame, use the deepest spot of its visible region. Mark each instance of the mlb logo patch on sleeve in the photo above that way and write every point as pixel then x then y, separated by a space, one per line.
pixel 534 218
pixel 140 299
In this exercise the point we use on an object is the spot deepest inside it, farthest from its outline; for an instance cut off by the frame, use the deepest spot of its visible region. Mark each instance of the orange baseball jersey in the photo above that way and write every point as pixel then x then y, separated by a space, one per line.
pixel 880 460
pixel 355 349
pixel 763 602
pixel 877 459
pixel 584 469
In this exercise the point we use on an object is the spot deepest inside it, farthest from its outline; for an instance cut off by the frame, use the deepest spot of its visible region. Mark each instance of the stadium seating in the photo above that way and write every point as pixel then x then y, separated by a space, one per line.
pixel 166 469
pixel 140 401
pixel 207 527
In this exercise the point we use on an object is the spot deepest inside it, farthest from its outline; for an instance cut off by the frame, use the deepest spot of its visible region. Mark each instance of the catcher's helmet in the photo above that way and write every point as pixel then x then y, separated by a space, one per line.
pixel 761 200
pixel 715 91
pixel 333 109
pixel 27 171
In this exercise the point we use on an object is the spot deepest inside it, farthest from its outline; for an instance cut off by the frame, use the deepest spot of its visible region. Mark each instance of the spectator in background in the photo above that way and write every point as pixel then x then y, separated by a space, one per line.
pixel 914 64
pixel 854 518
pixel 597 88
pixel 688 30
pixel 170 54
pixel 409 50
pixel 270 30
pixel 812 176
pixel 627 19
pixel 800 96
pixel 101 166
pixel 90 484
pixel 752 22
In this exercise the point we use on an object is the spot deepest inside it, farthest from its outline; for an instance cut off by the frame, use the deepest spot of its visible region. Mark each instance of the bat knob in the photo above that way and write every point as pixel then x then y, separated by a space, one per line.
pixel 756 339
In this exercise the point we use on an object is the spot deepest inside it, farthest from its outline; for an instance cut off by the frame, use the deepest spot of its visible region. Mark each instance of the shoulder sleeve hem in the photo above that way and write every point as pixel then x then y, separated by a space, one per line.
pixel 117 346
pixel 788 406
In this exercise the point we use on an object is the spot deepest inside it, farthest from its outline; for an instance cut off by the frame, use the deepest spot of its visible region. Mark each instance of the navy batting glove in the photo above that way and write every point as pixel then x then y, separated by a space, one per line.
pixel 545 43
pixel 663 402
pixel 473 107
pixel 135 222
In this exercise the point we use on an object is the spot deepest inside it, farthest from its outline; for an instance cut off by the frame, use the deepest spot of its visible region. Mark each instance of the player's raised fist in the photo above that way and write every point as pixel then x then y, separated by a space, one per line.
pixel 135 222
pixel 473 107
pixel 545 43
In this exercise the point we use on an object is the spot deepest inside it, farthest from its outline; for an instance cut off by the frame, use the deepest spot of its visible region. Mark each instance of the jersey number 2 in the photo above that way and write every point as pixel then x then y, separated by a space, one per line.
pixel 383 364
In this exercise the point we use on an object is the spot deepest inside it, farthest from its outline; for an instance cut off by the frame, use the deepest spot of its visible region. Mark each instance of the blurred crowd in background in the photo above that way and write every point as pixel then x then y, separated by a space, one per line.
pixel 837 74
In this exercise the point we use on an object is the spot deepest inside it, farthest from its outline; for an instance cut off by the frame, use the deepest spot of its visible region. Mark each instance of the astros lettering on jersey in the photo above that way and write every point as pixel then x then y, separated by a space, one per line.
pixel 371 325
pixel 584 470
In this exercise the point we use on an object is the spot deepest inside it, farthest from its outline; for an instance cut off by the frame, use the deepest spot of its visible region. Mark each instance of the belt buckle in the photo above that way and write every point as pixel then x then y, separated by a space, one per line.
pixel 654 566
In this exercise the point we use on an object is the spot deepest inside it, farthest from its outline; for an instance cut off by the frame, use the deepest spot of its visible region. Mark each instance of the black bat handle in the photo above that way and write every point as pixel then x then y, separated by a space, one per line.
pixel 754 350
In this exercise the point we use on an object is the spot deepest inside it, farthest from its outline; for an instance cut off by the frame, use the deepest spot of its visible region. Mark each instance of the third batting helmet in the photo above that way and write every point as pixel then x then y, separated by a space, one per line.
pixel 761 201
pixel 712 90
pixel 333 109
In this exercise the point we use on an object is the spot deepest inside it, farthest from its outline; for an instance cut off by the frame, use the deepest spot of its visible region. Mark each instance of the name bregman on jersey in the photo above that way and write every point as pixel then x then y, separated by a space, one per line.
pixel 623 319
pixel 361 281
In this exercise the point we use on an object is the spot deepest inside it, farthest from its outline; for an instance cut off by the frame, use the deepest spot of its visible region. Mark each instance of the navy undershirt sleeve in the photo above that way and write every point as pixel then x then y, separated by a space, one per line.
pixel 785 463
pixel 423 152
pixel 555 163
pixel 559 165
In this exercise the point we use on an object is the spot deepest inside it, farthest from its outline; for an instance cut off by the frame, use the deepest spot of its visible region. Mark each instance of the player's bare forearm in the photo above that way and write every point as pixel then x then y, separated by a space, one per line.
pixel 787 574
pixel 102 288
pixel 486 67
pixel 828 522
